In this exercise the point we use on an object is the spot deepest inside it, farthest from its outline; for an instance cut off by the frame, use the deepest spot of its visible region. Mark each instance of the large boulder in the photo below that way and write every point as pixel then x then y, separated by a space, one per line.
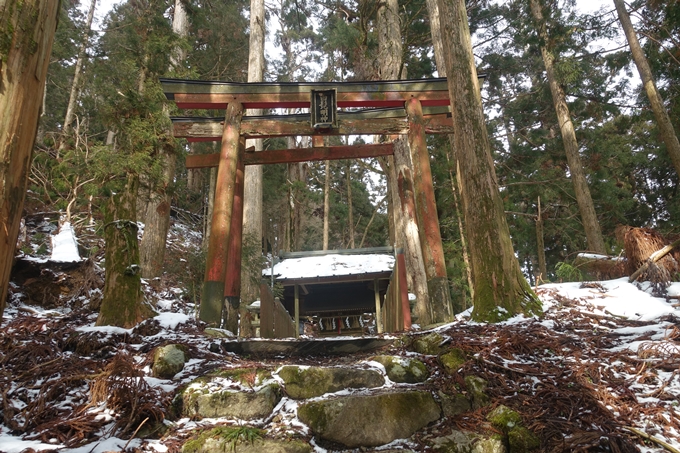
pixel 308 382
pixel 168 360
pixel 241 405
pixel 403 370
pixel 366 421
pixel 453 405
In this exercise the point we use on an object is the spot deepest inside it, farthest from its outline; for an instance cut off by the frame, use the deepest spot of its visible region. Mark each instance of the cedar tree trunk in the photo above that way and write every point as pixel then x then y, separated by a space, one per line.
pixel 26 34
pixel 662 119
pixel 123 300
pixel 578 176
pixel 500 289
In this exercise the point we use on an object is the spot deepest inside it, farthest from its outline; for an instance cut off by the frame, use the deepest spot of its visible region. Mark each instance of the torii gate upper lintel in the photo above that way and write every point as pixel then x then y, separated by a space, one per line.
pixel 410 107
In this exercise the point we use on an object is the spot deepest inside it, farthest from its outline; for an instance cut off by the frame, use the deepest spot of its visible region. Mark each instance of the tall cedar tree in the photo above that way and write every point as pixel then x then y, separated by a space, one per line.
pixel 500 289
pixel 27 30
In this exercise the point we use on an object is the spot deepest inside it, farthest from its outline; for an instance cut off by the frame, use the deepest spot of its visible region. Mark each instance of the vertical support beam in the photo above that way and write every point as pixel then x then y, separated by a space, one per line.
pixel 232 283
pixel 426 214
pixel 378 308
pixel 220 227
pixel 403 291
pixel 297 311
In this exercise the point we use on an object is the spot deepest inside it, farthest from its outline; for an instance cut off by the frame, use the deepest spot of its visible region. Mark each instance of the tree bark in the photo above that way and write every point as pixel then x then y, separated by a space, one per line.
pixel 157 215
pixel 350 214
pixel 26 38
pixel 438 44
pixel 668 134
pixel 578 177
pixel 540 246
pixel 326 204
pixel 252 198
pixel 123 300
pixel 500 289
pixel 75 85
pixel 422 312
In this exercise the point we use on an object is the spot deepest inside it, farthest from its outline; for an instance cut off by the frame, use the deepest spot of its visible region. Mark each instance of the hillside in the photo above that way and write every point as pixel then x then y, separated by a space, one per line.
pixel 596 372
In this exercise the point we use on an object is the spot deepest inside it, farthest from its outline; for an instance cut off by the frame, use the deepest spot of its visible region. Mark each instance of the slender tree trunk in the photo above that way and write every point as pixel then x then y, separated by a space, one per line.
pixel 350 220
pixel 666 129
pixel 540 246
pixel 27 35
pixel 75 85
pixel 157 215
pixel 123 300
pixel 210 206
pixel 252 199
pixel 578 177
pixel 326 204
pixel 500 288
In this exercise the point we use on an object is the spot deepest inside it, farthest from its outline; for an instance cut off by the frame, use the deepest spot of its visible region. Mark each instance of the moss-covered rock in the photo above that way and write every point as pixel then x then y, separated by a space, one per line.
pixel 168 360
pixel 365 421
pixel 476 387
pixel 308 382
pixel 452 360
pixel 242 439
pixel 403 370
pixel 213 332
pixel 509 422
pixel 468 442
pixel 453 405
pixel 428 344
pixel 241 405
pixel 504 418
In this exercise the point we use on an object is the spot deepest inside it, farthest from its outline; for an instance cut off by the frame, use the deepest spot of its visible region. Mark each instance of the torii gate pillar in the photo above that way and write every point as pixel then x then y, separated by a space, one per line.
pixel 426 215
pixel 233 147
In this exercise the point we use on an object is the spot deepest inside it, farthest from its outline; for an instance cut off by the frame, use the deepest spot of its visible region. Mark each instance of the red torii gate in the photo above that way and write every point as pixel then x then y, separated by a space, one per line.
pixel 411 107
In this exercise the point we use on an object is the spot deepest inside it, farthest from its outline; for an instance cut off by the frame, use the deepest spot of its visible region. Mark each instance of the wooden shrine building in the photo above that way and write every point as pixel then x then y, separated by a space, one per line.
pixel 407 107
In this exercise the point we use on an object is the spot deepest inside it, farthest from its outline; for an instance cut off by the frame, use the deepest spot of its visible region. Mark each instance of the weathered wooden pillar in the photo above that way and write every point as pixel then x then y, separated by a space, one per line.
pixel 232 283
pixel 403 291
pixel 426 215
pixel 218 247
pixel 378 307
pixel 297 311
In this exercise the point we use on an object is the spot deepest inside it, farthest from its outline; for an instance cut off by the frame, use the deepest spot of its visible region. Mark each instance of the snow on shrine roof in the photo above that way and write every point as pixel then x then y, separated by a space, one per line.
pixel 336 263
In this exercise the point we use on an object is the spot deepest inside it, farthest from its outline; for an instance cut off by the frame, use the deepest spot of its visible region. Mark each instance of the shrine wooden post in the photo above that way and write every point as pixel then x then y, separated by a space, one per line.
pixel 232 283
pixel 426 215
pixel 233 144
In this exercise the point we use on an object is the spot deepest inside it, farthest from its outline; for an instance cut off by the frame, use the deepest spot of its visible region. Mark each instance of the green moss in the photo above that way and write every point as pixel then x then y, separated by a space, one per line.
pixel 504 418
pixel 476 386
pixel 246 376
pixel 231 435
pixel 428 344
pixel 314 415
pixel 522 440
pixel 452 360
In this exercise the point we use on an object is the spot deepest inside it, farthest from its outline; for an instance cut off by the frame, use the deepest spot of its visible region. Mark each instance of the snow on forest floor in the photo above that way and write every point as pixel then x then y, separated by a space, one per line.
pixel 601 363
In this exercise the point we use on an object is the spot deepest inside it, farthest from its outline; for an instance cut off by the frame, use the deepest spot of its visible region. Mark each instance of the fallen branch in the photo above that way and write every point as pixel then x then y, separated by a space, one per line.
pixel 657 441
pixel 653 258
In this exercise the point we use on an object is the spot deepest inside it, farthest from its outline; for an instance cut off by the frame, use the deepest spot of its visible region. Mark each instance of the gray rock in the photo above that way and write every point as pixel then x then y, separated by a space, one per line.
pixel 467 442
pixel 168 360
pixel 428 344
pixel 367 421
pixel 213 445
pixel 403 370
pixel 302 383
pixel 241 405
pixel 453 405
pixel 476 386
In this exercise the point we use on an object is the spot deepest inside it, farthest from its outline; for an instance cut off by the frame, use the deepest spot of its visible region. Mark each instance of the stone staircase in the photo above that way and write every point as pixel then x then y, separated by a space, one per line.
pixel 385 402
